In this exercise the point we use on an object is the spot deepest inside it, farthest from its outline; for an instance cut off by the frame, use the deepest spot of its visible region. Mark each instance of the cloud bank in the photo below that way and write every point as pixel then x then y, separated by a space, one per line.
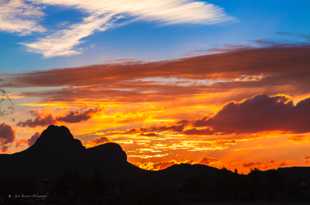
pixel 261 113
pixel 249 70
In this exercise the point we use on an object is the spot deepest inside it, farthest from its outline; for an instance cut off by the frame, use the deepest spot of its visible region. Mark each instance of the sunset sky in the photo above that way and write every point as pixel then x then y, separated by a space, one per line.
pixel 223 83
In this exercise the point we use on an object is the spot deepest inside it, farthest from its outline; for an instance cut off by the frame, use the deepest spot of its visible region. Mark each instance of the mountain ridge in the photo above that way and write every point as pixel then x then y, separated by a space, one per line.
pixel 63 167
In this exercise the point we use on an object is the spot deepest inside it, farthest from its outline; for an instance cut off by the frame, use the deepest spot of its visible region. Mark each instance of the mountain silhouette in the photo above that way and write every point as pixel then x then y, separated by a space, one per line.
pixel 60 168
pixel 56 151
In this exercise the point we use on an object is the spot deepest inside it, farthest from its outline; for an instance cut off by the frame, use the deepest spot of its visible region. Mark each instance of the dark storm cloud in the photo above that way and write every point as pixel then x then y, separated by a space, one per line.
pixel 261 113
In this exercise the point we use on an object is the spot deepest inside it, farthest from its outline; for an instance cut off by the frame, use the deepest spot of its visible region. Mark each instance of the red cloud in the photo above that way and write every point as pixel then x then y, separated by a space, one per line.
pixel 33 138
pixel 7 136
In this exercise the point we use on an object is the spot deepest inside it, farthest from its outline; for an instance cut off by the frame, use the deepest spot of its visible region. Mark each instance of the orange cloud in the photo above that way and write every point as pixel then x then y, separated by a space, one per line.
pixel 97 141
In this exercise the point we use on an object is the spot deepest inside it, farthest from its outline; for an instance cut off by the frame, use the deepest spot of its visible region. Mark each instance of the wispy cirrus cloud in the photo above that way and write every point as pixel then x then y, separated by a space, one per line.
pixel 103 15
pixel 18 16
pixel 168 11
pixel 63 42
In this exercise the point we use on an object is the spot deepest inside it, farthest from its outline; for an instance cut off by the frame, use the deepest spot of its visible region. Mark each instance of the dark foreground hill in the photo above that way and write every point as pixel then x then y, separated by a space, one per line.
pixel 58 169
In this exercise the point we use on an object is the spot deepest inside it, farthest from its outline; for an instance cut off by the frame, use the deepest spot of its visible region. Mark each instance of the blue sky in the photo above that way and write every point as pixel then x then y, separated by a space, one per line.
pixel 150 36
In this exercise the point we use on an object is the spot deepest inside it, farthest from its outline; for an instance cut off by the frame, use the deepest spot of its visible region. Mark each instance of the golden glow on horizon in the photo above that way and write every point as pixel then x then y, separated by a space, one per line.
pixel 160 149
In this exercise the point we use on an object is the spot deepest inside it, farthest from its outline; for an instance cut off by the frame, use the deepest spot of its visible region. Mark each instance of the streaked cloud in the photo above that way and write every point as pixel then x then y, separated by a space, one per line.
pixel 250 70
pixel 168 11
pixel 104 15
pixel 63 42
